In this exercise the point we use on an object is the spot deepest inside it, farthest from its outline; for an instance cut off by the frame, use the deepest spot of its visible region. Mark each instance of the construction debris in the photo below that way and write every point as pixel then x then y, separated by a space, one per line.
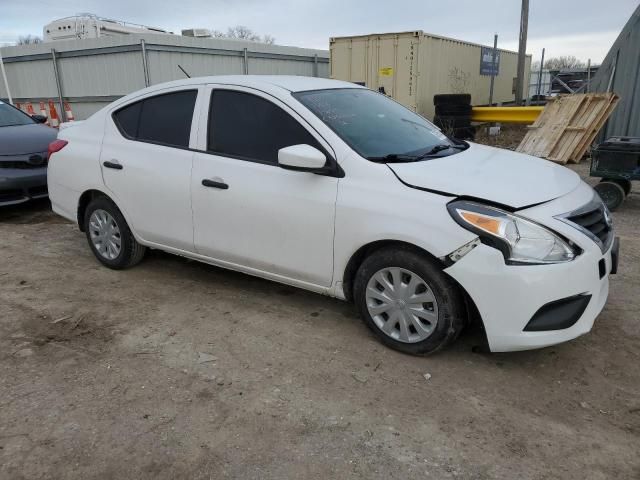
pixel 567 126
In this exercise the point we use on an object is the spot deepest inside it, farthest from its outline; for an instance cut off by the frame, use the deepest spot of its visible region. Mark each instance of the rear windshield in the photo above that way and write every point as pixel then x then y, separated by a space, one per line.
pixel 371 123
pixel 10 116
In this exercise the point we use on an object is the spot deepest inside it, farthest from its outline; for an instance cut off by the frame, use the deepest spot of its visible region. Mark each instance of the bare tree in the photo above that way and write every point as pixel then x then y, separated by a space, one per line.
pixel 241 32
pixel 565 61
pixel 29 39
pixel 458 80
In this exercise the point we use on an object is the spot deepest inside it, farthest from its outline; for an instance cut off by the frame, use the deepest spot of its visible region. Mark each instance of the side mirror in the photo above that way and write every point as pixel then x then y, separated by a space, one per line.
pixel 301 157
pixel 39 118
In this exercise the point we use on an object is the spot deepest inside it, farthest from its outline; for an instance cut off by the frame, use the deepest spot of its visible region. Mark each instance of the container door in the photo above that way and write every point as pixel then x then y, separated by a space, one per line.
pixel 395 59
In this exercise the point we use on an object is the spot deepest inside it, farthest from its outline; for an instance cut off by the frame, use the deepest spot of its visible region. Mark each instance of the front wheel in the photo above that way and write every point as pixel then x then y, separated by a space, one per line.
pixel 408 302
pixel 109 236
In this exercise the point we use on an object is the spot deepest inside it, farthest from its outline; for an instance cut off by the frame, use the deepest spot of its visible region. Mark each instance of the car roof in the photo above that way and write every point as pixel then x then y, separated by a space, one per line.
pixel 292 83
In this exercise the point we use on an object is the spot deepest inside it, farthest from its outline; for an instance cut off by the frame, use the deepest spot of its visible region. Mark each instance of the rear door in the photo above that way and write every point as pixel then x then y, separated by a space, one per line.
pixel 258 215
pixel 146 164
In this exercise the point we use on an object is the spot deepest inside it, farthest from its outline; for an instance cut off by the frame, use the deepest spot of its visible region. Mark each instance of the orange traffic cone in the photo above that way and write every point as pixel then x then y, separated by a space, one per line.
pixel 43 112
pixel 30 110
pixel 68 113
pixel 55 121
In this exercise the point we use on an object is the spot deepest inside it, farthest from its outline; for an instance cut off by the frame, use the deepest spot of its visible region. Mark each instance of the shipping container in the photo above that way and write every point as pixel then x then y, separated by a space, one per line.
pixel 412 67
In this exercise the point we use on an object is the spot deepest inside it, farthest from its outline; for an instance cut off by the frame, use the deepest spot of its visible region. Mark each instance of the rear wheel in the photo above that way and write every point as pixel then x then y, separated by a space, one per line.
pixel 109 236
pixel 612 194
pixel 408 302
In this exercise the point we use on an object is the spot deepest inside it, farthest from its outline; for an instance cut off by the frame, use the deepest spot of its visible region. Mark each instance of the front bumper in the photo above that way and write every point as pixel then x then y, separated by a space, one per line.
pixel 508 297
pixel 21 185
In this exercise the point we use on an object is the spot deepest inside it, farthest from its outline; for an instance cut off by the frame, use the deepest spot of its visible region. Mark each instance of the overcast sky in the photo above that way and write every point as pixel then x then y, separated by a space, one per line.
pixel 584 28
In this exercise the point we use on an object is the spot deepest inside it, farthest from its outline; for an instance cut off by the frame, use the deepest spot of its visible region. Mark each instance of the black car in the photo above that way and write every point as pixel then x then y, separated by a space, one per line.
pixel 24 142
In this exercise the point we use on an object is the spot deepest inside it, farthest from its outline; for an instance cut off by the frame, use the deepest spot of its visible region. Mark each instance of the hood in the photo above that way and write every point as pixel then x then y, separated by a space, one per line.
pixel 494 174
pixel 24 139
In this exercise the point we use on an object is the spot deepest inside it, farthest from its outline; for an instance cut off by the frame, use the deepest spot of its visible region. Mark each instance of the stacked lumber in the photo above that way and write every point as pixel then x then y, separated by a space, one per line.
pixel 567 126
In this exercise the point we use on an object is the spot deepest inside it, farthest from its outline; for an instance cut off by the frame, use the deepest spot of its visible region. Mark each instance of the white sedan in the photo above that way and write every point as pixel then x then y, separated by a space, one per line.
pixel 334 188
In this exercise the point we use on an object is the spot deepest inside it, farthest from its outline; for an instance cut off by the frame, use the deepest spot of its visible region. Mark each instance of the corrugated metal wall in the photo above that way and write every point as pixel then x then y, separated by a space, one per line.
pixel 414 66
pixel 94 72
pixel 620 73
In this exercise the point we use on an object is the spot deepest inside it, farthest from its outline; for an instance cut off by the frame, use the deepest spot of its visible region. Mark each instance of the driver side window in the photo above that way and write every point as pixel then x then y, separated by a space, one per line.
pixel 248 127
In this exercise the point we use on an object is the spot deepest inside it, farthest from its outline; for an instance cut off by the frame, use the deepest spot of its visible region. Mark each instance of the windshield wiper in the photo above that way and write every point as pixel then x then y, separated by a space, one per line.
pixel 403 157
pixel 394 158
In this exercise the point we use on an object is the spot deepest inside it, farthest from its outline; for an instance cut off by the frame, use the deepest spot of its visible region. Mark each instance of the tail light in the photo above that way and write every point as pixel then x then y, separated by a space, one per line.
pixel 56 146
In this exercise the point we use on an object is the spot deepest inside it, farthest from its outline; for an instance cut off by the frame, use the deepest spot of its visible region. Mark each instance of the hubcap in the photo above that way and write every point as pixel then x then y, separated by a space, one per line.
pixel 105 234
pixel 402 304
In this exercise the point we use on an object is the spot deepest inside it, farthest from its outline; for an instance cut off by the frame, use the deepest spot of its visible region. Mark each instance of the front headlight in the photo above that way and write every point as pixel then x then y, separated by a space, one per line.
pixel 521 241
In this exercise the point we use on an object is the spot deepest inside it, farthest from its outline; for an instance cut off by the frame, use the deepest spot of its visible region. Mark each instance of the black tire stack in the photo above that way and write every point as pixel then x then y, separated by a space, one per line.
pixel 453 115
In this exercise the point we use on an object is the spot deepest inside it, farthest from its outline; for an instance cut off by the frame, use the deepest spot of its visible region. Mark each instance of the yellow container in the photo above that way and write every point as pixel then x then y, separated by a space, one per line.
pixel 412 67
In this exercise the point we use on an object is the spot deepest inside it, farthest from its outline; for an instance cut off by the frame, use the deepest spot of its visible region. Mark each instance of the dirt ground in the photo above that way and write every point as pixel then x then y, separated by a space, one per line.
pixel 176 369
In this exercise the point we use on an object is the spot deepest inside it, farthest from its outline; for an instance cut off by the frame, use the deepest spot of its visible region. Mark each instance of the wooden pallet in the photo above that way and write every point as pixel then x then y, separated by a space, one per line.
pixel 567 126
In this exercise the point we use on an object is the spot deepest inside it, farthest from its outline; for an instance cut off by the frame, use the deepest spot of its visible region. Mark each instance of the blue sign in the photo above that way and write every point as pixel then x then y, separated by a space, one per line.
pixel 487 67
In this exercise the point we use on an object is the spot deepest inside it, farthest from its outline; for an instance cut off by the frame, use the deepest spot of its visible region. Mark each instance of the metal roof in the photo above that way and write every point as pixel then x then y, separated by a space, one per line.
pixel 620 73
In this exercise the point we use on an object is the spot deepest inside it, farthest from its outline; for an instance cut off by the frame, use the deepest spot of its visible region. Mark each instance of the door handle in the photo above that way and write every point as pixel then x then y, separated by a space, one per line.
pixel 214 184
pixel 114 165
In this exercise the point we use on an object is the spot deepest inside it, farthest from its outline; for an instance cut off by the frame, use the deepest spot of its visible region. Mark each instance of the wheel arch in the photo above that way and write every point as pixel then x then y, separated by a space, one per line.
pixel 473 314
pixel 84 201
pixel 364 251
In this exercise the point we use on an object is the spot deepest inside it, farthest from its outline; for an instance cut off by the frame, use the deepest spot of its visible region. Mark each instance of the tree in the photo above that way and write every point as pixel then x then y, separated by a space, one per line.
pixel 565 61
pixel 29 39
pixel 241 32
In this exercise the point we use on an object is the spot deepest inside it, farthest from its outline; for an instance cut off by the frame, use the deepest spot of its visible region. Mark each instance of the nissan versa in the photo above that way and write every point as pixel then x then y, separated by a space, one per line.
pixel 334 188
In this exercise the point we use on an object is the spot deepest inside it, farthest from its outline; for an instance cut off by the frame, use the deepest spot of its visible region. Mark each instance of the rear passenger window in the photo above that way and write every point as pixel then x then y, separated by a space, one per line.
pixel 252 128
pixel 163 119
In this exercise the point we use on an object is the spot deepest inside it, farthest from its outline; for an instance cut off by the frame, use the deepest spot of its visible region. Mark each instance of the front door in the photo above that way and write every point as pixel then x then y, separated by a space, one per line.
pixel 247 210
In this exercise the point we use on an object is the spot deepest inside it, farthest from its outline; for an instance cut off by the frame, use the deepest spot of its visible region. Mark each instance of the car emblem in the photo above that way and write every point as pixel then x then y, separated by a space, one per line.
pixel 36 160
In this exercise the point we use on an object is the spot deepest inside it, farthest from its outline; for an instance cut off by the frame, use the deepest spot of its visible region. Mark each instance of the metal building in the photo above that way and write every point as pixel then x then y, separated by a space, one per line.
pixel 412 67
pixel 620 73
pixel 93 72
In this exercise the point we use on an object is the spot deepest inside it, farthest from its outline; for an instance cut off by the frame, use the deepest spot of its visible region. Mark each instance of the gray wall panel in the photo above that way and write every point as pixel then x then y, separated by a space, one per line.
pixel 110 67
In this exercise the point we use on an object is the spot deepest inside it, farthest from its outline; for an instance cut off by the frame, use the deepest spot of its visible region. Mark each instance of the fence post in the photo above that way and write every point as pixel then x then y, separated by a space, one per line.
pixel 315 64
pixel 4 77
pixel 539 89
pixel 145 62
pixel 54 59
pixel 245 61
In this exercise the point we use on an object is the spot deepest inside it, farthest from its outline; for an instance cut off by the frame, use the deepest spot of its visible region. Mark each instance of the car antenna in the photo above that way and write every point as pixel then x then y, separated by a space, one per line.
pixel 184 71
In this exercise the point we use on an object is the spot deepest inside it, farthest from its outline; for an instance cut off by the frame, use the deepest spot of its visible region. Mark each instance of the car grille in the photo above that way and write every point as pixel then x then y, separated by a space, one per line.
pixel 594 221
pixel 35 161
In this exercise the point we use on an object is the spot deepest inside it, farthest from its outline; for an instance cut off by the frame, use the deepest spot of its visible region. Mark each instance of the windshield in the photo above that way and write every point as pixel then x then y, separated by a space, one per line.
pixel 375 126
pixel 10 116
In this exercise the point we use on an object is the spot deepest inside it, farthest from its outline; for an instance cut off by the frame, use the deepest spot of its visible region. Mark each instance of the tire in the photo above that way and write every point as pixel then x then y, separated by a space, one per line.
pixel 611 193
pixel 452 122
pixel 465 133
pixel 453 109
pixel 623 182
pixel 452 99
pixel 130 252
pixel 447 311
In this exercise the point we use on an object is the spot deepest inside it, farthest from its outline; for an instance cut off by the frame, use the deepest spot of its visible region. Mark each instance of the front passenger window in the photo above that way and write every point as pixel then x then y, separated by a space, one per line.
pixel 249 127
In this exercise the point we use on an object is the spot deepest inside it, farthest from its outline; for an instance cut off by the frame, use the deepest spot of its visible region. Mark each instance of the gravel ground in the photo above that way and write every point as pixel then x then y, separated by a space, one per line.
pixel 176 369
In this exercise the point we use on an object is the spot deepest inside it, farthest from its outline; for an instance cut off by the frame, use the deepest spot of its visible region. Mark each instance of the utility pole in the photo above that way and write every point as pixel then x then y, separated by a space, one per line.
pixel 493 68
pixel 522 50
